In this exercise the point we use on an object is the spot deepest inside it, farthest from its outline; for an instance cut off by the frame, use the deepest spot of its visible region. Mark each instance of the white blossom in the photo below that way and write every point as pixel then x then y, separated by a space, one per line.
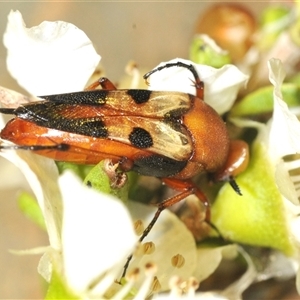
pixel 221 85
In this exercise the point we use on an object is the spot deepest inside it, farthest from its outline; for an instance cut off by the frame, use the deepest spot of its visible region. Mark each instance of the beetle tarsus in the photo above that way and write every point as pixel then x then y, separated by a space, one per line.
pixel 235 186
pixel 161 207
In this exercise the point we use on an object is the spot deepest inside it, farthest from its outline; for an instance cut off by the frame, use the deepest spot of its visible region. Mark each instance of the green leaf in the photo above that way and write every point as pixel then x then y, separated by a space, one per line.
pixel 203 53
pixel 273 13
pixel 258 216
pixel 261 100
pixel 294 32
pixel 57 289
pixel 99 179
pixel 273 22
pixel 30 208
pixel 80 170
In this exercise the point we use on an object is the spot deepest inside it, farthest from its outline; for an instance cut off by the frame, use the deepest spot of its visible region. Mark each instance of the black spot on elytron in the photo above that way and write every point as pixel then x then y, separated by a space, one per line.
pixel 139 96
pixel 158 166
pixel 140 138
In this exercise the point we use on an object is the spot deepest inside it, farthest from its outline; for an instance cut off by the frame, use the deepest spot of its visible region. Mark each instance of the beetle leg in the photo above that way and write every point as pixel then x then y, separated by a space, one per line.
pixel 186 189
pixel 104 82
pixel 161 206
pixel 165 204
pixel 186 185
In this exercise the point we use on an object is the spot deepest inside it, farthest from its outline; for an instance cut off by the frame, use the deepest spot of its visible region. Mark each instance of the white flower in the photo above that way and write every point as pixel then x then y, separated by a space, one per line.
pixel 284 139
pixel 267 214
pixel 97 236
pixel 220 89
pixel 282 135
pixel 52 58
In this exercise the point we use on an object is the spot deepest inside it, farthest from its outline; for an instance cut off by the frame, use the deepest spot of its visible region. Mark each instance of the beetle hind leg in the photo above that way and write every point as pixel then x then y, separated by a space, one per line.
pixel 185 189
pixel 161 206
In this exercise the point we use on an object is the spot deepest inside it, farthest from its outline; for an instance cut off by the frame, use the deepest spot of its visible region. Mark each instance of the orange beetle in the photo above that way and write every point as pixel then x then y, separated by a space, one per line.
pixel 170 135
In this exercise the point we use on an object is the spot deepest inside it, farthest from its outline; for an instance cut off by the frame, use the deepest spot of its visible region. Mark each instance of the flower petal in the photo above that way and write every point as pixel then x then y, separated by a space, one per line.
pixel 235 290
pixel 41 174
pixel 282 134
pixel 209 258
pixel 284 137
pixel 170 237
pixel 54 57
pixel 97 233
pixel 221 85
pixel 10 98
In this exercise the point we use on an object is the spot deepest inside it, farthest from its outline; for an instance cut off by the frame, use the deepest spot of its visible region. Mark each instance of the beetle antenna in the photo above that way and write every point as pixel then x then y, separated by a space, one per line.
pixel 235 186
pixel 60 147
pixel 176 64
pixel 198 83
pixel 146 80
pixel 7 111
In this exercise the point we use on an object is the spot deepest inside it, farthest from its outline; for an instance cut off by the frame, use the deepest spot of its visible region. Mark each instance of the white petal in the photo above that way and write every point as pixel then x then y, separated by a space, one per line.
pixel 235 290
pixel 97 232
pixel 41 174
pixel 284 135
pixel 284 182
pixel 220 85
pixel 15 178
pixel 209 259
pixel 298 281
pixel 10 98
pixel 293 216
pixel 54 57
pixel 45 265
pixel 223 86
pixel 170 237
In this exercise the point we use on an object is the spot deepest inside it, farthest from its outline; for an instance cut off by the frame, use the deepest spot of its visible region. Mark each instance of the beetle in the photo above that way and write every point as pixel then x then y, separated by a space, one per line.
pixel 170 135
